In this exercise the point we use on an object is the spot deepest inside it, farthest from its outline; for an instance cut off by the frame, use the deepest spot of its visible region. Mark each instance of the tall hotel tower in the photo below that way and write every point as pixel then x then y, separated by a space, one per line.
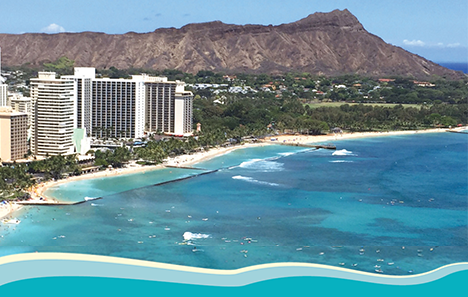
pixel 3 87
pixel 118 107
pixel 168 105
pixel 104 107
pixel 83 91
pixel 53 115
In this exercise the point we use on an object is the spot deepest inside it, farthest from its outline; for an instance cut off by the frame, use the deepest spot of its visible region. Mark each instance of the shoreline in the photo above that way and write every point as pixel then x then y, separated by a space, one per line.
pixel 179 161
pixel 188 160
pixel 309 139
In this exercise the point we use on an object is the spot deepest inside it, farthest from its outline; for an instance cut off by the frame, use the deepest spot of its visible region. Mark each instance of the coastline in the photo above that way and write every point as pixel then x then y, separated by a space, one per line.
pixel 304 139
pixel 188 160
pixel 178 161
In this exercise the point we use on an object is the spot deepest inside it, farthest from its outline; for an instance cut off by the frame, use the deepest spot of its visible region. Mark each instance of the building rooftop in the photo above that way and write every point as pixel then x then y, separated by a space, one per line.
pixel 8 110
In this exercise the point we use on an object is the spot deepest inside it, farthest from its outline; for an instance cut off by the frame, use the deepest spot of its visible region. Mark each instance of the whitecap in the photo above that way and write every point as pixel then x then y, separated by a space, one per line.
pixel 286 154
pixel 341 161
pixel 342 152
pixel 191 236
pixel 251 180
pixel 262 165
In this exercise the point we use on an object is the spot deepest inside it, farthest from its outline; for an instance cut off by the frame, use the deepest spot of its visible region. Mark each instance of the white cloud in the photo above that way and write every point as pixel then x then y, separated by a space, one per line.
pixel 420 43
pixel 414 42
pixel 453 44
pixel 53 28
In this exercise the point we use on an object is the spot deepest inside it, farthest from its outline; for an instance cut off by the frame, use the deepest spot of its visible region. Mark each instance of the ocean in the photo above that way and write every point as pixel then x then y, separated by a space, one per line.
pixel 460 66
pixel 395 205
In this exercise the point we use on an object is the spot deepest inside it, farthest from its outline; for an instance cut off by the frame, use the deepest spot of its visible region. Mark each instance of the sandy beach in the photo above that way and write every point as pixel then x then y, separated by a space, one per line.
pixel 8 209
pixel 303 139
pixel 188 160
pixel 180 161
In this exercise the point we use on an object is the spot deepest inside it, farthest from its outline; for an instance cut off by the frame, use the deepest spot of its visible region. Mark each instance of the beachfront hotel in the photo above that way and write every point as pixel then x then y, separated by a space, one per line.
pixel 53 105
pixel 160 97
pixel 3 87
pixel 83 78
pixel 127 108
pixel 104 108
pixel 3 93
pixel 118 108
pixel 183 112
pixel 13 134
pixel 168 107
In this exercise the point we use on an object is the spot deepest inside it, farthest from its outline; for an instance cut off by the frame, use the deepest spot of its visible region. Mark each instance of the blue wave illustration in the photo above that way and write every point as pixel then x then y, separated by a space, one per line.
pixel 29 266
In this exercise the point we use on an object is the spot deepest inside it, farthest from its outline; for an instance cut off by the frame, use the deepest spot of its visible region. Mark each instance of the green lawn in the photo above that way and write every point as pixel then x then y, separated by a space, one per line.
pixel 336 104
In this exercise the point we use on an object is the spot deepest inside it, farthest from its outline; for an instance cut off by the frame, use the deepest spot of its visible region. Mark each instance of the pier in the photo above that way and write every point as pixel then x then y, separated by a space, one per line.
pixel 185 167
pixel 184 178
pixel 454 131
pixel 53 203
pixel 317 146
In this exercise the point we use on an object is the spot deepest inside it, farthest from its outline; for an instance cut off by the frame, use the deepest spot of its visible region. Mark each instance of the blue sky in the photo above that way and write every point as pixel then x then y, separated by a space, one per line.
pixel 435 29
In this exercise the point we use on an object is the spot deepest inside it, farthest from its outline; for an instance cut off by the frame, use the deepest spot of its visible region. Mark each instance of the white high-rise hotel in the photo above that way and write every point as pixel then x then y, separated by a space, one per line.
pixel 3 87
pixel 53 106
pixel 104 107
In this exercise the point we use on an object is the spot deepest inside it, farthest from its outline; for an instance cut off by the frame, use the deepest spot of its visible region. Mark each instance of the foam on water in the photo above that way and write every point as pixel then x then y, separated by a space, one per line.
pixel 341 161
pixel 191 236
pixel 262 165
pixel 343 152
pixel 286 154
pixel 251 180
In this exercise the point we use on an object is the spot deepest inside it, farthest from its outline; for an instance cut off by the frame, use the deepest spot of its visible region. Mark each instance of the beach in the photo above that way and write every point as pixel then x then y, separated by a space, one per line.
pixel 303 139
pixel 8 209
pixel 38 192
pixel 178 161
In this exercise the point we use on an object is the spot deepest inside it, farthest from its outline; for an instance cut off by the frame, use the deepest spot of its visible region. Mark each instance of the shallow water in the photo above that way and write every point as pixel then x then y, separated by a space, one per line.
pixel 396 204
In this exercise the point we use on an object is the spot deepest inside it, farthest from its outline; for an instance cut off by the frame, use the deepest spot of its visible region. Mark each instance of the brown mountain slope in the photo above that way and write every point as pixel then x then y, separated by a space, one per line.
pixel 323 43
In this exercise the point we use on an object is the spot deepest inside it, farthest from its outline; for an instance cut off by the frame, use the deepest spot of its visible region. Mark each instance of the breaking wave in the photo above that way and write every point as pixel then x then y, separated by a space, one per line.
pixel 262 165
pixel 286 154
pixel 341 161
pixel 343 152
pixel 251 180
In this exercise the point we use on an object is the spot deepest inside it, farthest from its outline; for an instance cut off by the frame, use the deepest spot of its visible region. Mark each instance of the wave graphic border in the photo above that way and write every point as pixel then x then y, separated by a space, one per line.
pixel 38 265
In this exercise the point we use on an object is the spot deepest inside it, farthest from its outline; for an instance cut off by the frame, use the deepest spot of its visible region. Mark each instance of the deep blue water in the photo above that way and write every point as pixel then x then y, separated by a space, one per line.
pixel 456 66
pixel 398 204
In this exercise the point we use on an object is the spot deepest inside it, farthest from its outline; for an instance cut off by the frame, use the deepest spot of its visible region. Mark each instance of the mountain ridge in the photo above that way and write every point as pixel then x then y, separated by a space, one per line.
pixel 322 43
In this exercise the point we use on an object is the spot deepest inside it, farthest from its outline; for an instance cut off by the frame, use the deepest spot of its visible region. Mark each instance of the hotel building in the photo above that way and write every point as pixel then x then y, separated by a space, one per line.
pixel 53 105
pixel 104 107
pixel 22 104
pixel 83 78
pixel 3 93
pixel 13 134
pixel 159 102
pixel 118 108
pixel 3 87
pixel 183 111
pixel 168 106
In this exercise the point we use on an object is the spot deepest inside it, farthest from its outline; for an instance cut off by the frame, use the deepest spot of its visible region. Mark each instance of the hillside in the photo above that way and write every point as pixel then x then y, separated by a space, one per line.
pixel 322 43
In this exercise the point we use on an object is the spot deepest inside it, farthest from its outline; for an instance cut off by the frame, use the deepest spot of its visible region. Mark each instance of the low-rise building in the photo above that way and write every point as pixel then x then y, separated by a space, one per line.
pixel 13 134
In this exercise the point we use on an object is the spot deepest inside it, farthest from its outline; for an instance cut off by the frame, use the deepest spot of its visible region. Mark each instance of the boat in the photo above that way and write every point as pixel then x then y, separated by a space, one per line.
pixel 11 221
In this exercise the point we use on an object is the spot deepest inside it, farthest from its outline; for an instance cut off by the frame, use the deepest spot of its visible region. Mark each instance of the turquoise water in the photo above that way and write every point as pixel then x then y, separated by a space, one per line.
pixel 391 204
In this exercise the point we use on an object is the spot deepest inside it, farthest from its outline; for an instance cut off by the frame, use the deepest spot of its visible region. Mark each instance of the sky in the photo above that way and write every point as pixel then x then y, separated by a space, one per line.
pixel 434 29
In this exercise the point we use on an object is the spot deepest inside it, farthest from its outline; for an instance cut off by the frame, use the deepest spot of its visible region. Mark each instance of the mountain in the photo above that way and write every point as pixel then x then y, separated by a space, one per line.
pixel 322 43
